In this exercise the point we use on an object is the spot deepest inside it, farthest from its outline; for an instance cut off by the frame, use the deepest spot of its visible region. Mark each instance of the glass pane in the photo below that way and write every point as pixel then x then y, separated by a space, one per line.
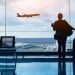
pixel 2 17
pixel 37 26
pixel 69 69
pixel 71 20
pixel 72 16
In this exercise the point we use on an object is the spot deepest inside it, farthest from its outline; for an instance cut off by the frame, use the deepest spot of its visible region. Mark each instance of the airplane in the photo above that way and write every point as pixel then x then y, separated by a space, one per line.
pixel 27 15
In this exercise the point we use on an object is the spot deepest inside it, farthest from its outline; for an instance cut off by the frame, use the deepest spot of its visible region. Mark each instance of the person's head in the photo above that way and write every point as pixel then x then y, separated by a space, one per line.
pixel 60 16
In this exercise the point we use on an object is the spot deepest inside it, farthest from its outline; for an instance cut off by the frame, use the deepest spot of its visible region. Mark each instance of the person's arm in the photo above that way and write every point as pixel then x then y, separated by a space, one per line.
pixel 70 26
pixel 53 26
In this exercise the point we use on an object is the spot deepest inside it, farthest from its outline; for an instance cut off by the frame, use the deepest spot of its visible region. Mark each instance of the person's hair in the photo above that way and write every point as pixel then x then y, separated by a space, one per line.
pixel 60 16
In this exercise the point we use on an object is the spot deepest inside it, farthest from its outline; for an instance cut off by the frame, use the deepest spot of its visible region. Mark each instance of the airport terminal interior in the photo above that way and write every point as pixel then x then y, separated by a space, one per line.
pixel 27 44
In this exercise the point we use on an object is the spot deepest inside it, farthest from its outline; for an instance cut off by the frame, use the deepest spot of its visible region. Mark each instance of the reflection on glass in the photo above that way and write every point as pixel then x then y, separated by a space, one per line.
pixel 41 68
pixel 37 69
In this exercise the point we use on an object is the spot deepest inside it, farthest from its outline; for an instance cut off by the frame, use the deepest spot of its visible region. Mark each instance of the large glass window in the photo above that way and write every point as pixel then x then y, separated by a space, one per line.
pixel 37 26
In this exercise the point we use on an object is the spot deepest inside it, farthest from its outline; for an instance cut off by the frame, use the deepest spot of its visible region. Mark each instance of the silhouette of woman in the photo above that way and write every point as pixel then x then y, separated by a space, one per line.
pixel 63 30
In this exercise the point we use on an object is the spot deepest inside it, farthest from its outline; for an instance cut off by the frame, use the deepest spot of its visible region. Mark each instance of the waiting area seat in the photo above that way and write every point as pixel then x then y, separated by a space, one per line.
pixel 7 51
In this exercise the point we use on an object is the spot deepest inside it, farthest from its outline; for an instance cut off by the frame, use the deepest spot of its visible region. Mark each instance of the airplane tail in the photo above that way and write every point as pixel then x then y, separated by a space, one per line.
pixel 18 14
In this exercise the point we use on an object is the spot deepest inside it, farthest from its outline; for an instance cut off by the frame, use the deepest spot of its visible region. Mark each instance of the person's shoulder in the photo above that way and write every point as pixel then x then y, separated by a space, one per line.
pixel 64 21
pixel 56 21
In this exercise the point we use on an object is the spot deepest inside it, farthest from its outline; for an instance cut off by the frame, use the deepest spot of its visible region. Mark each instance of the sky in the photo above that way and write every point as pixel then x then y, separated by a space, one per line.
pixel 39 26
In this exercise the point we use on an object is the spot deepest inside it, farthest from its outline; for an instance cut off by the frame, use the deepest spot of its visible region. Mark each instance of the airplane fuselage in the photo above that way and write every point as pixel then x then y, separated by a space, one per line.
pixel 27 15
